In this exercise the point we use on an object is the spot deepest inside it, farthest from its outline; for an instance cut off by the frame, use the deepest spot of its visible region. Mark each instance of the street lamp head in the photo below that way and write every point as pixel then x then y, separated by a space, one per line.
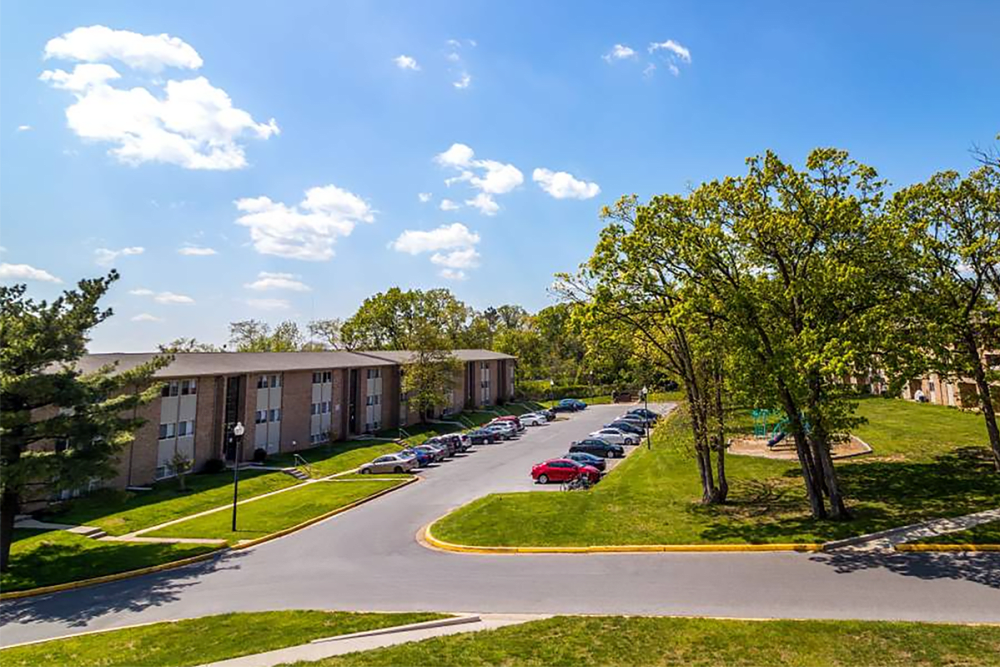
pixel 239 430
pixel 644 390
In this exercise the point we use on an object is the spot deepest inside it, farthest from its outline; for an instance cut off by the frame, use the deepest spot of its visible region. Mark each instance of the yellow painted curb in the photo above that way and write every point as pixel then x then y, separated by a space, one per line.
pixel 44 590
pixel 323 517
pixel 948 547
pixel 432 541
pixel 55 588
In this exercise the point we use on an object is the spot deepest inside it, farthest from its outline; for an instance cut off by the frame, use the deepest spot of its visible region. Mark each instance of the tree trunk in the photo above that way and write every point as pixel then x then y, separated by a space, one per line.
pixel 820 441
pixel 720 438
pixel 10 505
pixel 810 475
pixel 985 397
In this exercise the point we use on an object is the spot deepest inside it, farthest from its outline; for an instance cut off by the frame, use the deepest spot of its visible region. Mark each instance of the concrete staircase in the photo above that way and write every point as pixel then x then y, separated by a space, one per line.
pixel 297 473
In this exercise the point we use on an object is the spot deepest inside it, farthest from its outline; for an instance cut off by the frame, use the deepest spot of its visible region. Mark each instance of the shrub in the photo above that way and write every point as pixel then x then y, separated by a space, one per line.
pixel 259 455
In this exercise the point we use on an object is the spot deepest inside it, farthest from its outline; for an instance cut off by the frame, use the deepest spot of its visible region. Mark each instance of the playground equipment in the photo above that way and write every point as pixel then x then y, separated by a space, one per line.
pixel 779 432
pixel 762 419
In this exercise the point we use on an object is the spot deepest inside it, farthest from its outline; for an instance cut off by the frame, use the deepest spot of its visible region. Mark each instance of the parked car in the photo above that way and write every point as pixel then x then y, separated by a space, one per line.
pixel 504 426
pixel 481 436
pixel 562 470
pixel 447 444
pixel 638 420
pixel 644 412
pixel 436 453
pixel 569 405
pixel 423 456
pixel 545 412
pixel 511 419
pixel 615 436
pixel 532 419
pixel 628 427
pixel 390 463
pixel 597 447
pixel 505 431
pixel 457 442
pixel 587 460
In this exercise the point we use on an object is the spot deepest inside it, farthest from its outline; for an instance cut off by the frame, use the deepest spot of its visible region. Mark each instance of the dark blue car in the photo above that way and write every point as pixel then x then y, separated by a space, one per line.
pixel 423 457
pixel 587 459
pixel 569 405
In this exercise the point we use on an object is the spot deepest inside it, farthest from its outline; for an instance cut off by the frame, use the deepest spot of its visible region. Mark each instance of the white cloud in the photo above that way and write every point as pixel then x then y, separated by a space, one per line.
pixel 449 205
pixel 484 203
pixel 106 256
pixel 457 155
pixel 406 62
pixel 268 304
pixel 196 251
pixel 272 281
pixel 162 297
pixel 445 237
pixel 23 128
pixel 673 47
pixel 454 248
pixel 170 297
pixel 26 272
pixel 146 317
pixel 146 52
pixel 620 52
pixel 463 82
pixel 189 123
pixel 649 69
pixel 490 177
pixel 464 258
pixel 424 197
pixel 307 231
pixel 674 55
pixel 563 185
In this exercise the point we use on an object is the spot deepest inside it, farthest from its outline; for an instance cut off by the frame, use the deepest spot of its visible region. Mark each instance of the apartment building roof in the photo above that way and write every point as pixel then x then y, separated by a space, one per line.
pixel 407 356
pixel 191 364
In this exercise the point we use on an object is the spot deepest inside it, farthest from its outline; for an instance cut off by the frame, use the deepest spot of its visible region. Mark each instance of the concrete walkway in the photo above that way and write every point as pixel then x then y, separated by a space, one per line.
pixel 319 649
pixel 887 540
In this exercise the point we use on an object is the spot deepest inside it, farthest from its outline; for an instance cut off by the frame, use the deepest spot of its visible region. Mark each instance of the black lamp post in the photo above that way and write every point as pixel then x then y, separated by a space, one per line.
pixel 237 436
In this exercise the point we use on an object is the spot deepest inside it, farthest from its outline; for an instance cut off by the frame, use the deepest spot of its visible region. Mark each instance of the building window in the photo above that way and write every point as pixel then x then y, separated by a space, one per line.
pixel 374 373
pixel 189 387
pixel 275 415
pixel 314 409
pixel 262 382
pixel 185 428
pixel 168 431
pixel 326 407
pixel 170 389
pixel 260 416
pixel 275 381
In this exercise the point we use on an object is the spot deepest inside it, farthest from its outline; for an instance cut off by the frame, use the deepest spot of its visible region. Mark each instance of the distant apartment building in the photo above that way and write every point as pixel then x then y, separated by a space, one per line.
pixel 287 401
pixel 954 392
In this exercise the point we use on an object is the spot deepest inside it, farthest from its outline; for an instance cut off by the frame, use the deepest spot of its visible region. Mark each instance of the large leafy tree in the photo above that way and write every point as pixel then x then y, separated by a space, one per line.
pixel 390 320
pixel 259 336
pixel 809 278
pixel 45 400
pixel 958 290
pixel 430 377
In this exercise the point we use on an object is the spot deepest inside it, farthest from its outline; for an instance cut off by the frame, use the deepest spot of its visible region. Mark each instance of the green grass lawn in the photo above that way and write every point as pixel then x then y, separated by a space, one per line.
pixel 200 640
pixel 121 512
pixel 929 461
pixel 619 640
pixel 336 457
pixel 44 558
pixel 278 512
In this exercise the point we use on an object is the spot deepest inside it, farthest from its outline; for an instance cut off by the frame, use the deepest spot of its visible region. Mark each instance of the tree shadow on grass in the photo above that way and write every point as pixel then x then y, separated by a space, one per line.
pixel 881 494
pixel 77 608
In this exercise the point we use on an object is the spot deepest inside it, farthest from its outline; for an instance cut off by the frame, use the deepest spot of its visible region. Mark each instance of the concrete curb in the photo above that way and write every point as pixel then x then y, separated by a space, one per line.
pixel 108 578
pixel 395 629
pixel 427 539
pixel 971 548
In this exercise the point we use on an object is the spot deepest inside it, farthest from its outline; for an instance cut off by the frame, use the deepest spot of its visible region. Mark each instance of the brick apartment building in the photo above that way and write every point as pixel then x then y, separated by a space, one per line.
pixel 287 401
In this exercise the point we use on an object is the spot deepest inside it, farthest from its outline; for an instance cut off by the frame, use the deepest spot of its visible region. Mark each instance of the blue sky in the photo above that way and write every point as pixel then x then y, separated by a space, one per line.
pixel 115 139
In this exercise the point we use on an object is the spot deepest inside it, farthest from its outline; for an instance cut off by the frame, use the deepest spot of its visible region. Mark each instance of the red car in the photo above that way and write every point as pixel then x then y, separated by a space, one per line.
pixel 562 470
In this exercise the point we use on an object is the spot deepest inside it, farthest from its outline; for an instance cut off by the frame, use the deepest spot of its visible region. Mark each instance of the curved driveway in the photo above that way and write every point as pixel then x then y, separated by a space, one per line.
pixel 368 559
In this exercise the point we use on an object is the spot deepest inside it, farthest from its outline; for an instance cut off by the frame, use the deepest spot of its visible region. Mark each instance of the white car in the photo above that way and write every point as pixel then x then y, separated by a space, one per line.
pixel 615 437
pixel 531 419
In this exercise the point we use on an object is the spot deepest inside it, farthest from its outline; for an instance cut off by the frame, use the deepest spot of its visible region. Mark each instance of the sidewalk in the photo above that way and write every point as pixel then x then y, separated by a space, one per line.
pixel 887 540
pixel 319 649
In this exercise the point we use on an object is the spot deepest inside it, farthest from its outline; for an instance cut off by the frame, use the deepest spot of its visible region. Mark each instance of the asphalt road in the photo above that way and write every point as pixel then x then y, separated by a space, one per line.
pixel 368 559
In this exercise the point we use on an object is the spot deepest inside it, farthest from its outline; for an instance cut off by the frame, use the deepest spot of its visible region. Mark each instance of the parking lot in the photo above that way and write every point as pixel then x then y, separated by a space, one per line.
pixel 506 465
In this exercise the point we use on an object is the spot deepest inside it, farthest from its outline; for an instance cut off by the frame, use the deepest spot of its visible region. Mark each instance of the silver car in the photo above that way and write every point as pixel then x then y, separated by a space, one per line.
pixel 390 463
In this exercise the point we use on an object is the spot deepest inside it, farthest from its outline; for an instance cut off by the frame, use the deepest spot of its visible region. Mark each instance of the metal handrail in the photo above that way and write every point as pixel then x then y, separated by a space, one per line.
pixel 302 463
